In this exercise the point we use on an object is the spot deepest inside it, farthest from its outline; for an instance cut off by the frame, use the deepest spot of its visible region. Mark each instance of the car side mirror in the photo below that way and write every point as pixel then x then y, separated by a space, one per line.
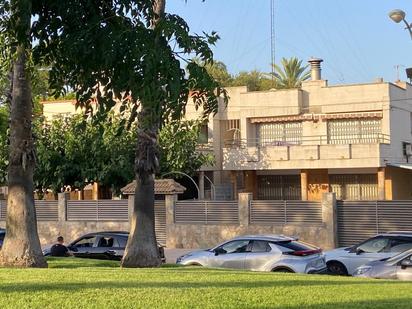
pixel 219 251
pixel 359 251
pixel 406 263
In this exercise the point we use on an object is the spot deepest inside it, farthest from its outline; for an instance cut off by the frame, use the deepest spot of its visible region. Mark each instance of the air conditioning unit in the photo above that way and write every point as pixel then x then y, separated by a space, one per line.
pixel 408 150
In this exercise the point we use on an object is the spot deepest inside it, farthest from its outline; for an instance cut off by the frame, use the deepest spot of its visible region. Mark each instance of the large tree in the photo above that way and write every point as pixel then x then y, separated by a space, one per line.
pixel 21 245
pixel 117 49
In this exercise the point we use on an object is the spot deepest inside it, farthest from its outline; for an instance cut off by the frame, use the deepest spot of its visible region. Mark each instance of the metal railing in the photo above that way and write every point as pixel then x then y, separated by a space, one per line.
pixel 277 212
pixel 314 140
pixel 206 212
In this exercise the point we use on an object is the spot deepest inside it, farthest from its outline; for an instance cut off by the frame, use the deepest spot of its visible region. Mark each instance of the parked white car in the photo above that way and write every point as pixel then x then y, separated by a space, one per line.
pixel 275 253
pixel 345 261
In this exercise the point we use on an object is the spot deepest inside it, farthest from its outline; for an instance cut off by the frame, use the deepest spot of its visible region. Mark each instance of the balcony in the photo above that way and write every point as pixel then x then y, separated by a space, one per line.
pixel 306 152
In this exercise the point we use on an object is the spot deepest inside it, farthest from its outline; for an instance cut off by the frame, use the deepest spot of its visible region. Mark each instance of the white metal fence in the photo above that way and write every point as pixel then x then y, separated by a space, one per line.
pixel 97 210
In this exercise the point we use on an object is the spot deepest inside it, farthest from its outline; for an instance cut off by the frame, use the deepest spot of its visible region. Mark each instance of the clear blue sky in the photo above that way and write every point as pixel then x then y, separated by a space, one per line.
pixel 356 39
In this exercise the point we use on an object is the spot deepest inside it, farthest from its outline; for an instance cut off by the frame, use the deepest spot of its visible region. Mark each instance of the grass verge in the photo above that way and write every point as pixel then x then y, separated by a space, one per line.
pixel 84 283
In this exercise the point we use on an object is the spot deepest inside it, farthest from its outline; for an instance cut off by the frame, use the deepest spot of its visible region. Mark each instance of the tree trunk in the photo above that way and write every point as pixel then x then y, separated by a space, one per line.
pixel 141 249
pixel 21 245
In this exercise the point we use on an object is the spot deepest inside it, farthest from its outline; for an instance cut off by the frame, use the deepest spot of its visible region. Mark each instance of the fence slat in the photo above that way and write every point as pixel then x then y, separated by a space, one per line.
pixel 271 212
pixel 207 212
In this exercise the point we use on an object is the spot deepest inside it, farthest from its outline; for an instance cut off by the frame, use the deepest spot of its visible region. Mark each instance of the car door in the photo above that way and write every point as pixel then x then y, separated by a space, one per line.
pixel 107 248
pixel 371 250
pixel 259 254
pixel 230 255
pixel 84 247
pixel 404 269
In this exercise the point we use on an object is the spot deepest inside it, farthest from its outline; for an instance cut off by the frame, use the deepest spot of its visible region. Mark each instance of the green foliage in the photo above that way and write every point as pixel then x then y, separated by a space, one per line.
pixel 74 150
pixel 178 143
pixel 291 74
pixel 254 80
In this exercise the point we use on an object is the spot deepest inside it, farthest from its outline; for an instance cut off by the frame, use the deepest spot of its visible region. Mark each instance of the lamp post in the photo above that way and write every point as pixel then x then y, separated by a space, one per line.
pixel 397 16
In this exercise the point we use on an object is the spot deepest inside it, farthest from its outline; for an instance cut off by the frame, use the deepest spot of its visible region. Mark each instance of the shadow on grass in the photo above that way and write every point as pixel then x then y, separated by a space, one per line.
pixel 140 284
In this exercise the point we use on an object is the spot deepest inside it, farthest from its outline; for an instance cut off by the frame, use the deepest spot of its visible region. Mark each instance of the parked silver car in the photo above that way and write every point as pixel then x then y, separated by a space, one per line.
pixel 344 261
pixel 397 267
pixel 260 253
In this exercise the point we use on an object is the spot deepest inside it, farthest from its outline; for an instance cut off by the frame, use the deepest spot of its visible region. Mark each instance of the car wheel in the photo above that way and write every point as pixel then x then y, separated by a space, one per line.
pixel 337 268
pixel 282 270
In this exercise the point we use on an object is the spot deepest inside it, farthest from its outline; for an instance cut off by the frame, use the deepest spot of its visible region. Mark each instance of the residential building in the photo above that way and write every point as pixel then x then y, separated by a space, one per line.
pixel 354 140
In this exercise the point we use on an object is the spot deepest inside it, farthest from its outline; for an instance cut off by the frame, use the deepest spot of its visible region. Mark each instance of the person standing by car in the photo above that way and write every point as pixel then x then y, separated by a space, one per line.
pixel 59 249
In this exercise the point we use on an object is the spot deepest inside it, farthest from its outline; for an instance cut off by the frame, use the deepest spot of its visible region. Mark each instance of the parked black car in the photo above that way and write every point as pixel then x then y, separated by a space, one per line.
pixel 2 234
pixel 101 245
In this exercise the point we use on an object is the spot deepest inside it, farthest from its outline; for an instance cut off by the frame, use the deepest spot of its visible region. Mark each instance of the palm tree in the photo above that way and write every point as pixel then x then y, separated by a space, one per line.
pixel 291 74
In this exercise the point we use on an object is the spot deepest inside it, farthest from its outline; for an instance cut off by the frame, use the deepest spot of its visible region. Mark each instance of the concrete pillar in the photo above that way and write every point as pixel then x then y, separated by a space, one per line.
pixel 381 183
pixel 62 199
pixel 330 219
pixel 304 184
pixel 170 203
pixel 201 185
pixel 251 182
pixel 244 208
pixel 172 238
pixel 95 191
pixel 130 205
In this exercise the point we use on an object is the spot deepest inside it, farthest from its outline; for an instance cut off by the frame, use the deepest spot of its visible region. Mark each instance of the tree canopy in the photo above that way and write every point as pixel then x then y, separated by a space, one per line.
pixel 291 73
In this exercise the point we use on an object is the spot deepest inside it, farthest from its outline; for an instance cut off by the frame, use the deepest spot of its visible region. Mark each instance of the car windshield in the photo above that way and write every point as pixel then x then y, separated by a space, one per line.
pixel 400 256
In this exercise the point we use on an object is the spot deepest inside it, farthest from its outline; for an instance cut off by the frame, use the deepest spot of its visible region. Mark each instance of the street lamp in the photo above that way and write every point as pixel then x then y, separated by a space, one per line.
pixel 397 16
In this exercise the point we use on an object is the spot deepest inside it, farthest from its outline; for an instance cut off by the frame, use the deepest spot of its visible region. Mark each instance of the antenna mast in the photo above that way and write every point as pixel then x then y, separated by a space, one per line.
pixel 272 37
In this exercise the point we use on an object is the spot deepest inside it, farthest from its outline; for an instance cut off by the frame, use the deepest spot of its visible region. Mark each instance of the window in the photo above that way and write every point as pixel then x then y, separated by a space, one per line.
pixel 85 242
pixel 203 134
pixel 107 242
pixel 279 187
pixel 400 245
pixel 354 131
pixel 230 130
pixel 237 246
pixel 354 187
pixel 295 245
pixel 260 246
pixel 374 245
pixel 279 133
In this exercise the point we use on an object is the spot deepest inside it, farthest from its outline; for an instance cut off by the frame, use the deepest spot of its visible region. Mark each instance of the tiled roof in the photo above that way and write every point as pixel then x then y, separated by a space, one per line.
pixel 162 186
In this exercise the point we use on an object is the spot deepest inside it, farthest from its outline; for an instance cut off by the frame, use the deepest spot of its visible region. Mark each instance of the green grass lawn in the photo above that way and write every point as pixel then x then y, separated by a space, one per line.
pixel 78 283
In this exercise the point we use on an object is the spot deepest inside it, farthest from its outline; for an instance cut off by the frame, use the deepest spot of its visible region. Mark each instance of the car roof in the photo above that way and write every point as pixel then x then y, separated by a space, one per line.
pixel 267 237
pixel 397 233
pixel 108 233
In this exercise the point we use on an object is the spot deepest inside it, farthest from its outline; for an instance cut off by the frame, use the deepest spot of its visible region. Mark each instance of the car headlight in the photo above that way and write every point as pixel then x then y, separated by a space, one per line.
pixel 362 270
pixel 181 258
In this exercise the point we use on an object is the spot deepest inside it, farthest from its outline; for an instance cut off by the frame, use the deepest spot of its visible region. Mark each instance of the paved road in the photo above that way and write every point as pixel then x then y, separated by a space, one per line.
pixel 173 254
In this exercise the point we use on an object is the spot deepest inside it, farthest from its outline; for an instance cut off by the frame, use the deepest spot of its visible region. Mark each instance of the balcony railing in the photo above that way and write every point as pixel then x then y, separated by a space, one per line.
pixel 346 139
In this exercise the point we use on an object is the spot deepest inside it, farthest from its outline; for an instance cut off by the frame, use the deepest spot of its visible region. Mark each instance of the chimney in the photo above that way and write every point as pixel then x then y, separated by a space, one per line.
pixel 315 70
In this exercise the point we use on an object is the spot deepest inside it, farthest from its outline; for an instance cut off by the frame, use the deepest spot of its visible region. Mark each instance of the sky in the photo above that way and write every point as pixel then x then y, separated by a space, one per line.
pixel 355 38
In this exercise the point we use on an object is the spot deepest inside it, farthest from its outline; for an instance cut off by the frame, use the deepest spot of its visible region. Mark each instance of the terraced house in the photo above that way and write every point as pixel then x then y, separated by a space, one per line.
pixel 354 140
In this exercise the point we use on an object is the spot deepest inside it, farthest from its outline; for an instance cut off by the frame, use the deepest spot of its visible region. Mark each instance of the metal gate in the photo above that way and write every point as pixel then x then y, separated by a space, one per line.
pixel 358 220
pixel 160 221
pixel 279 187
pixel 354 187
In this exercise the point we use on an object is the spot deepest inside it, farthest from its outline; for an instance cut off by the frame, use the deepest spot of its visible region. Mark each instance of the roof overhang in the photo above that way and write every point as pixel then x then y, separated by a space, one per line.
pixel 407 166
